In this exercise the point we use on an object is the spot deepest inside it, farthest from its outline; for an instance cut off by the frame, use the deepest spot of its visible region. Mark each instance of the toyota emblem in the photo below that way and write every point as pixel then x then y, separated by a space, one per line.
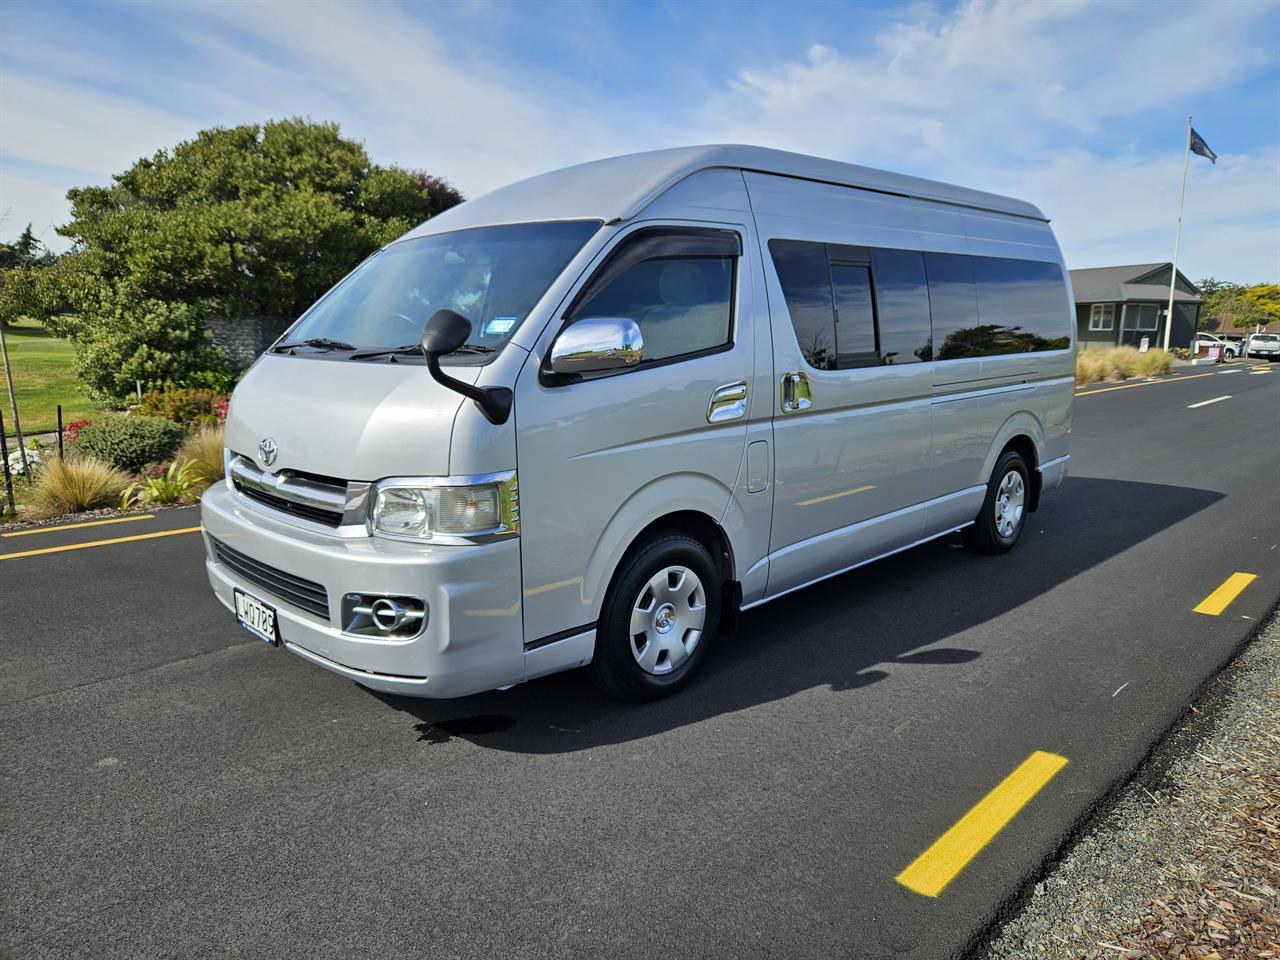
pixel 267 451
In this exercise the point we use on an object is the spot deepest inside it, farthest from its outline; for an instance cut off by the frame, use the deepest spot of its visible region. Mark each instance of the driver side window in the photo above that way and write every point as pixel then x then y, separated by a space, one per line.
pixel 677 285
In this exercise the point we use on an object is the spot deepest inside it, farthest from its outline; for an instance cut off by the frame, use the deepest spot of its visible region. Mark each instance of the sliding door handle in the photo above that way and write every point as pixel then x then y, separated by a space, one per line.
pixel 797 393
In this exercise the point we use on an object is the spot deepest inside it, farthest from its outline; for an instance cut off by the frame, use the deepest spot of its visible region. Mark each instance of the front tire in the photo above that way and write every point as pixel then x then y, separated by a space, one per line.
pixel 1004 509
pixel 658 619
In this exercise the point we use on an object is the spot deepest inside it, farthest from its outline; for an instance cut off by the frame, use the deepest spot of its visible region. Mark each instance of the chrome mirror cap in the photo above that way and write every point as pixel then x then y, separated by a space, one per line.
pixel 598 344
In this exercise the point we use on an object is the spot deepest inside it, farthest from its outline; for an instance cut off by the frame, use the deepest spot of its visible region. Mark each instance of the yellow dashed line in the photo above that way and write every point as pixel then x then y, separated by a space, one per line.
pixel 930 872
pixel 1221 598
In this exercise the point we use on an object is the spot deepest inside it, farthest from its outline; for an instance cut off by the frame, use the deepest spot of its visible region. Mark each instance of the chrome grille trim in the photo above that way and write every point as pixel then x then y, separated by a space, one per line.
pixel 332 503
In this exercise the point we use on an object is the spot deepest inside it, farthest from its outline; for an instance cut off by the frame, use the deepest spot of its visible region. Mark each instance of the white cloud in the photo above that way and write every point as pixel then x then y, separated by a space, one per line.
pixel 1020 98
pixel 1009 96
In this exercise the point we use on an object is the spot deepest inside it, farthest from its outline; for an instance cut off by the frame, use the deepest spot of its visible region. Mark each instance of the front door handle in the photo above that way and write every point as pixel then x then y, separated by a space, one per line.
pixel 797 393
pixel 728 403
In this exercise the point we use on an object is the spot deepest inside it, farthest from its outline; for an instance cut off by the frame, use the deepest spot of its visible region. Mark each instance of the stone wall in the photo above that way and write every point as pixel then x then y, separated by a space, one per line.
pixel 242 339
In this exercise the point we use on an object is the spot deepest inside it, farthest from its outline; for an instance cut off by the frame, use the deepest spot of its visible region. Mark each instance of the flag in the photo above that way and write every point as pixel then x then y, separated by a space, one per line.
pixel 1199 146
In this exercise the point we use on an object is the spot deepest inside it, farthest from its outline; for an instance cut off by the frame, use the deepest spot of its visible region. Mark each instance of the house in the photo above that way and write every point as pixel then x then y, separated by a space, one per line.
pixel 1121 305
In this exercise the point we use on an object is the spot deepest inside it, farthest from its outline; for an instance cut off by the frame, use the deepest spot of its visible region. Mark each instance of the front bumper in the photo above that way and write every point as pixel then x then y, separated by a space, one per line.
pixel 473 640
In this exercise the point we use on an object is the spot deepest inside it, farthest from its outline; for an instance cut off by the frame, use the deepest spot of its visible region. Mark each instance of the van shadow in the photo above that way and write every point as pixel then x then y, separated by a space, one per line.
pixel 846 633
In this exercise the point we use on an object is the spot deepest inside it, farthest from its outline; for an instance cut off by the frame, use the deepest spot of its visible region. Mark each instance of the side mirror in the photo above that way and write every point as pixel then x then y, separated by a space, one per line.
pixel 444 333
pixel 597 345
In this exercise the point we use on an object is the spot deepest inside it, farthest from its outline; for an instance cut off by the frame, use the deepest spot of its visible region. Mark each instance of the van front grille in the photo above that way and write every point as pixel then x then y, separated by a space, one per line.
pixel 304 594
pixel 315 514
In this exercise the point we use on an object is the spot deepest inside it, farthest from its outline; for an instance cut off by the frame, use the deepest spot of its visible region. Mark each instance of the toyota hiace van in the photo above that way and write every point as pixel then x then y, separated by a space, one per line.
pixel 587 418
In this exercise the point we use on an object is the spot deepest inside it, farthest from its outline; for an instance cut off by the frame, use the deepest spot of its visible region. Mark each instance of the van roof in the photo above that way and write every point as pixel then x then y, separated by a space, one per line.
pixel 619 188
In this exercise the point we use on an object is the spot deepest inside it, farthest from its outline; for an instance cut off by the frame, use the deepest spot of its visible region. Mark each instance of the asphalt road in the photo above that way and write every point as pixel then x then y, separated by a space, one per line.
pixel 174 788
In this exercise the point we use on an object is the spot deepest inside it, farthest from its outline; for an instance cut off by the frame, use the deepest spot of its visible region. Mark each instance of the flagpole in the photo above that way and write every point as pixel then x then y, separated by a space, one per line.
pixel 1177 242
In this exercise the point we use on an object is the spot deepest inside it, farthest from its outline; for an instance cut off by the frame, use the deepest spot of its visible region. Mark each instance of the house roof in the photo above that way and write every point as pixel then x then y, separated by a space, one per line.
pixel 1116 284
pixel 618 188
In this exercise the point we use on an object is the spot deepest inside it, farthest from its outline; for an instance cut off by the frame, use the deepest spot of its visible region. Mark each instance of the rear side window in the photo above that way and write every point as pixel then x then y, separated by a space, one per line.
pixel 1022 306
pixel 988 306
pixel 677 285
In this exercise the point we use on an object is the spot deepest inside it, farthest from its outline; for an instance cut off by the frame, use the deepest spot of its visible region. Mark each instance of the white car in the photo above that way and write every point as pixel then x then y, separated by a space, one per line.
pixel 1230 348
pixel 1265 346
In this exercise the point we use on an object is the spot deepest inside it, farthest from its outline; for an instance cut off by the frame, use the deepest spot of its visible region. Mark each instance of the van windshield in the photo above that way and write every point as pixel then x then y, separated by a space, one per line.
pixel 491 275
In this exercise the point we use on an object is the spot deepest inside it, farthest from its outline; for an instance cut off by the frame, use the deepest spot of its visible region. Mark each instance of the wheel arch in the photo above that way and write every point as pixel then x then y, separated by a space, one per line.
pixel 1022 432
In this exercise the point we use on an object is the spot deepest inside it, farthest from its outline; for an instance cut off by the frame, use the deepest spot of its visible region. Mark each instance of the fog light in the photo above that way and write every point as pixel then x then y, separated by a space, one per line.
pixel 382 616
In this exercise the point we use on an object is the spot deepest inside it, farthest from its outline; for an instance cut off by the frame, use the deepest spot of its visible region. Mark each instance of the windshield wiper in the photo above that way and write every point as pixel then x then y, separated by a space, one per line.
pixel 320 343
pixel 411 349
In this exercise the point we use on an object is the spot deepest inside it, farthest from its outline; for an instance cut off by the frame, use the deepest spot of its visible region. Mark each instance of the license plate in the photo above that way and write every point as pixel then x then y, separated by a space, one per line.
pixel 256 617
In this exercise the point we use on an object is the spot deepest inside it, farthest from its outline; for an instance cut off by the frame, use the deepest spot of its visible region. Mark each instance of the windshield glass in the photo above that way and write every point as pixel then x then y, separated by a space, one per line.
pixel 491 275
pixel 1266 336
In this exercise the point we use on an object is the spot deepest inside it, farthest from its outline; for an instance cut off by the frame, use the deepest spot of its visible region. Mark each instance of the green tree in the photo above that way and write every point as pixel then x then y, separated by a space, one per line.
pixel 253 220
pixel 27 288
pixel 1261 305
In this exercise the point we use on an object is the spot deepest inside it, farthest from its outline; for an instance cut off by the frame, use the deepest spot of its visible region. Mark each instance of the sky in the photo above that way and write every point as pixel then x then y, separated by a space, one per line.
pixel 1079 106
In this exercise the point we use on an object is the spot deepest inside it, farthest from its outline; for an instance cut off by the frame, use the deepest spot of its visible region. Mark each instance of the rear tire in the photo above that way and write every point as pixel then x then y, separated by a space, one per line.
pixel 1004 509
pixel 660 616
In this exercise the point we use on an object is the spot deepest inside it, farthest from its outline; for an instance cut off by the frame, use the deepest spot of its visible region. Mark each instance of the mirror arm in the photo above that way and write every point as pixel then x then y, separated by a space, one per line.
pixel 494 402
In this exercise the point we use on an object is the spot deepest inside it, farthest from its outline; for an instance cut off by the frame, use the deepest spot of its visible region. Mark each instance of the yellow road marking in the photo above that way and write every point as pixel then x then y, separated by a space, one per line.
pixel 836 496
pixel 1221 598
pixel 96 543
pixel 930 872
pixel 78 526
pixel 1144 383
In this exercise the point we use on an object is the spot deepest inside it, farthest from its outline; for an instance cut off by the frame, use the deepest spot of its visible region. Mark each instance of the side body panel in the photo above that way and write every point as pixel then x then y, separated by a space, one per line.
pixel 853 468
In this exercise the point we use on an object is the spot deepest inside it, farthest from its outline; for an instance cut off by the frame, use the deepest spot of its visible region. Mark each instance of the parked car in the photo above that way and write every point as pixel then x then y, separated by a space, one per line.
pixel 1266 346
pixel 588 417
pixel 1232 347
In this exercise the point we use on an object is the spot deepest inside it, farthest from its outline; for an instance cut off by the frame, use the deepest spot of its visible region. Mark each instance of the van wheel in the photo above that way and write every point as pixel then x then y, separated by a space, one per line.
pixel 659 617
pixel 1004 509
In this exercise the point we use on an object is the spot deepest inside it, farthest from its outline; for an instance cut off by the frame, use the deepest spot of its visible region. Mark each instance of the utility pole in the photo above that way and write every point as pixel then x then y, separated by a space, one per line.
pixel 13 404
pixel 1177 242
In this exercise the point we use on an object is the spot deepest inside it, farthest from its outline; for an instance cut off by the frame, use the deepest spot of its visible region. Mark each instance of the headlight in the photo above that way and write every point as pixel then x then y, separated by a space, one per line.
pixel 447 509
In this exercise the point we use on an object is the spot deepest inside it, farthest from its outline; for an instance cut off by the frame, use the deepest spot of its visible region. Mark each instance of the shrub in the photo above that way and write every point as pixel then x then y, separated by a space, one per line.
pixel 1120 363
pixel 185 405
pixel 34 460
pixel 129 442
pixel 177 483
pixel 203 449
pixel 65 486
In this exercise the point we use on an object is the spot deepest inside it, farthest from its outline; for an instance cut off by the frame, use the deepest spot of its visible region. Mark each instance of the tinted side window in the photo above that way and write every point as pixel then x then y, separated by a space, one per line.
pixel 1021 305
pixel 855 316
pixel 805 277
pixel 681 304
pixel 954 305
pixel 902 306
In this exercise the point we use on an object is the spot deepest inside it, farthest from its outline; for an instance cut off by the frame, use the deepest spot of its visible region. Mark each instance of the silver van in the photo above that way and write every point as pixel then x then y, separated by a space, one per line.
pixel 585 418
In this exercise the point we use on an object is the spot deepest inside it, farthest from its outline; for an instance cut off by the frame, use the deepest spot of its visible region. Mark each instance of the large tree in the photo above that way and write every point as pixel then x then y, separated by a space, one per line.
pixel 252 220
pixel 1245 307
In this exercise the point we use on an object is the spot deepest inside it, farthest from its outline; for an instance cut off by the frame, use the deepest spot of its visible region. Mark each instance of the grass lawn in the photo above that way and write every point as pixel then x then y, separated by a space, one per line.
pixel 42 379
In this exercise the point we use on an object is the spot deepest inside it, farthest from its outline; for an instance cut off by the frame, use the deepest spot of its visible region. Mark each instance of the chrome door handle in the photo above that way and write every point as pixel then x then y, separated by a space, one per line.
pixel 728 403
pixel 797 393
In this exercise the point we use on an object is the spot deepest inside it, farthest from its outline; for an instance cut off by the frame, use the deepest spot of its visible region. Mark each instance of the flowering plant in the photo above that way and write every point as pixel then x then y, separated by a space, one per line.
pixel 34 459
pixel 73 428
pixel 220 407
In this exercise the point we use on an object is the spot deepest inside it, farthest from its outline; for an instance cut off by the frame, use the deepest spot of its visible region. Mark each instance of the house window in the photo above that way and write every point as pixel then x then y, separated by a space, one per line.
pixel 1145 318
pixel 1102 316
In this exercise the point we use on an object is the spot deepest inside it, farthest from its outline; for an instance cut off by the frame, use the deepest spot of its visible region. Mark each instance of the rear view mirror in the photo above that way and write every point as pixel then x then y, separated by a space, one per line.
pixel 597 345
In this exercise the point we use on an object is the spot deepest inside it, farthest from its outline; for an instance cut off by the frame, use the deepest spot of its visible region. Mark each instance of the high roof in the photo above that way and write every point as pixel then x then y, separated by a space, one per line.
pixel 1117 284
pixel 621 187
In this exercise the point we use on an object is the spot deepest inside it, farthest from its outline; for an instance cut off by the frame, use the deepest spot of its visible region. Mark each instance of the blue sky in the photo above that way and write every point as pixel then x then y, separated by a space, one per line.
pixel 1079 106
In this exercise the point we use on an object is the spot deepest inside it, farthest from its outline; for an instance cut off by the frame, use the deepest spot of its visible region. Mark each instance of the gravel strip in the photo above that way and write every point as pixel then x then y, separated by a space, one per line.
pixel 1187 862
pixel 102 514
